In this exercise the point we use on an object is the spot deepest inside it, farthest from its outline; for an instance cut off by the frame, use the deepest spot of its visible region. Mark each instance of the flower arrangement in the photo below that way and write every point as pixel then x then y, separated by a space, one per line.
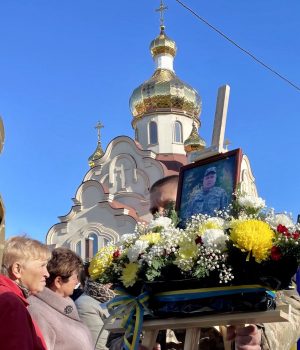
pixel 216 264
pixel 245 244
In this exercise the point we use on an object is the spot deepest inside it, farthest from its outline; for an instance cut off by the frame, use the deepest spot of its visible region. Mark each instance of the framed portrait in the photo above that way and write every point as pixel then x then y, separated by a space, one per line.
pixel 208 185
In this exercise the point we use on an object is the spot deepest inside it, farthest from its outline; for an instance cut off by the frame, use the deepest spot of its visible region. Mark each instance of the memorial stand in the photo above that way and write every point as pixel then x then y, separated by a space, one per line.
pixel 193 325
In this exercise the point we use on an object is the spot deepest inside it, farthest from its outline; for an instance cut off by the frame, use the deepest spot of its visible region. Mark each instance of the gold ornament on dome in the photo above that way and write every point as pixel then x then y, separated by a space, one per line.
pixel 162 8
pixel 163 45
pixel 165 92
pixel 99 151
pixel 194 142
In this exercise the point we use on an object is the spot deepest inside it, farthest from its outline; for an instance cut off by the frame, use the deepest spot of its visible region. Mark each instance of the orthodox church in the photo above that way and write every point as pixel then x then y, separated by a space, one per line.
pixel 114 193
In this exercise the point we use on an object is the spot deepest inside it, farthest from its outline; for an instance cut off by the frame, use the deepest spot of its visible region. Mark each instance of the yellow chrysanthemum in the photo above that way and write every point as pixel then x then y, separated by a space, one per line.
pixel 187 251
pixel 253 236
pixel 129 274
pixel 151 238
pixel 101 261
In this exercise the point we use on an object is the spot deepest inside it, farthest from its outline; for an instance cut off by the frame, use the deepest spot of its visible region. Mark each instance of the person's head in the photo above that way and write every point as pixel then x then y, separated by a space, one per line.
pixel 64 268
pixel 162 193
pixel 210 177
pixel 25 262
pixel 98 291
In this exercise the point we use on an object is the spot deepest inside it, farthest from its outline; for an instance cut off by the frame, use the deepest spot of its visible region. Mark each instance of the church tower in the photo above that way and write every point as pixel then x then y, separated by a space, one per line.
pixel 114 193
pixel 164 108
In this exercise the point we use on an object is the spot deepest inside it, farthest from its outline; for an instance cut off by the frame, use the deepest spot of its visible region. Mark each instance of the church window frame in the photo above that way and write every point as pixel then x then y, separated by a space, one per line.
pixel 95 237
pixel 177 132
pixel 78 248
pixel 153 133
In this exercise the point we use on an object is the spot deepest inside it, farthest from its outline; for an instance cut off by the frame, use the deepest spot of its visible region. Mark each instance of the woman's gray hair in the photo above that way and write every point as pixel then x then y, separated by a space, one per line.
pixel 22 249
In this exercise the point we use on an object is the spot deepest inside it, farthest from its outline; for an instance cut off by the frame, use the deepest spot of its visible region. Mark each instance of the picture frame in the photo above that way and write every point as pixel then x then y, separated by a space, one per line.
pixel 208 185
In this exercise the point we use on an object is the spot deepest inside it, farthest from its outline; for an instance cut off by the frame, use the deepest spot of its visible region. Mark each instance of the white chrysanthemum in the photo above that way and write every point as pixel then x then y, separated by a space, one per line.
pixel 161 221
pixel 215 237
pixel 218 221
pixel 138 248
pixel 282 219
pixel 247 201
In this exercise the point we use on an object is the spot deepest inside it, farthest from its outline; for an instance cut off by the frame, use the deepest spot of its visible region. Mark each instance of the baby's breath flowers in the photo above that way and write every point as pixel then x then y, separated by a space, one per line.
pixel 211 259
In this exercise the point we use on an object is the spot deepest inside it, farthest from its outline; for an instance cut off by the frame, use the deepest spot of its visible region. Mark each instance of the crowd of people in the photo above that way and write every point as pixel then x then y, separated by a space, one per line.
pixel 42 308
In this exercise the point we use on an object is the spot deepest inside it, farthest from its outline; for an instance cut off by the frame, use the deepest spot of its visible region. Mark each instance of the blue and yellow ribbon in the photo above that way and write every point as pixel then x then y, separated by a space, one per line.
pixel 192 294
pixel 130 310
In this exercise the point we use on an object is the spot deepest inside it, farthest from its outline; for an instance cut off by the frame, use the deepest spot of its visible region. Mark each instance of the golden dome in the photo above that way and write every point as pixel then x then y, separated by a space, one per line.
pixel 194 142
pixel 163 44
pixel 96 155
pixel 164 92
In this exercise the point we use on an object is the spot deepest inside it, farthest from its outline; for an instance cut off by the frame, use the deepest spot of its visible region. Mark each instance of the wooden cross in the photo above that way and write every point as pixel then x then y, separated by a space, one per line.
pixel 220 118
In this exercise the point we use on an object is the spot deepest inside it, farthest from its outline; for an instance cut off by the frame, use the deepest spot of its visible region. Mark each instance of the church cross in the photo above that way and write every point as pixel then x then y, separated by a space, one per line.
pixel 99 126
pixel 161 9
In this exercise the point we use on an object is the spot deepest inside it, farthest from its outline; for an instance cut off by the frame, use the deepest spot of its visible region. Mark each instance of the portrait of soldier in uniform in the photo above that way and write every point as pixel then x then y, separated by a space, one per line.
pixel 207 186
pixel 209 197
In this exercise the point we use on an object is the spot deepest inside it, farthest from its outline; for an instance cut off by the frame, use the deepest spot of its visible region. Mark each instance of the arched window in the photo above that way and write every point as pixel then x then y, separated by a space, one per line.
pixel 78 250
pixel 153 133
pixel 94 238
pixel 177 132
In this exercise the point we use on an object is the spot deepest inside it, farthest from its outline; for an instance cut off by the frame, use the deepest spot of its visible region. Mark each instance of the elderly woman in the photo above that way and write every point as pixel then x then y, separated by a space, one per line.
pixel 23 272
pixel 54 310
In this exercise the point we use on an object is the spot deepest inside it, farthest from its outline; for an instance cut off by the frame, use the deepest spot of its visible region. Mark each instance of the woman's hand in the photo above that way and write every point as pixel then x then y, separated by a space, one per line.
pixel 246 338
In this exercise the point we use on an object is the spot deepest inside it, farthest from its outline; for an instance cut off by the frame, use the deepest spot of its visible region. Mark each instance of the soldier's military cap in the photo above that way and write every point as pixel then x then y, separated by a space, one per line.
pixel 210 170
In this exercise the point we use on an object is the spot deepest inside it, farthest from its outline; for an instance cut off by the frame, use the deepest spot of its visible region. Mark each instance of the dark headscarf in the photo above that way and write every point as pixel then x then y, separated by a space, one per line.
pixel 98 291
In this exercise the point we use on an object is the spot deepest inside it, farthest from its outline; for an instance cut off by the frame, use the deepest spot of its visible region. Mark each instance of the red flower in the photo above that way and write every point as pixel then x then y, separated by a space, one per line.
pixel 296 235
pixel 282 229
pixel 116 254
pixel 198 240
pixel 275 253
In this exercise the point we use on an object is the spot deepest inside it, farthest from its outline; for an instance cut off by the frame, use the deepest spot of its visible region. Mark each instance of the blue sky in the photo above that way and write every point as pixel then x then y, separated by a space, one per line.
pixel 64 65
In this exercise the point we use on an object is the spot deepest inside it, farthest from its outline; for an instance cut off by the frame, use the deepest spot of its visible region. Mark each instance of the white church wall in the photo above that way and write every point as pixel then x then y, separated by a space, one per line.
pixel 247 178
pixel 91 194
pixel 165 132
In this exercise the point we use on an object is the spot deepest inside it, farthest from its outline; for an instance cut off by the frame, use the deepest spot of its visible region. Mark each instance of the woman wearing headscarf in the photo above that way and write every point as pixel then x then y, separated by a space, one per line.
pixel 54 310
pixel 92 310
pixel 23 272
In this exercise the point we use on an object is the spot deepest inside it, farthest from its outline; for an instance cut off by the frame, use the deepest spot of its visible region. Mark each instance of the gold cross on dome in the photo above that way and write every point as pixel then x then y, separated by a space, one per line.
pixel 161 9
pixel 99 126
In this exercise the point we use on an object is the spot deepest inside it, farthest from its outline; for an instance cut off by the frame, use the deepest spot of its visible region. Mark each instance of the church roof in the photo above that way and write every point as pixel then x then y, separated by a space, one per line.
pixel 164 92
